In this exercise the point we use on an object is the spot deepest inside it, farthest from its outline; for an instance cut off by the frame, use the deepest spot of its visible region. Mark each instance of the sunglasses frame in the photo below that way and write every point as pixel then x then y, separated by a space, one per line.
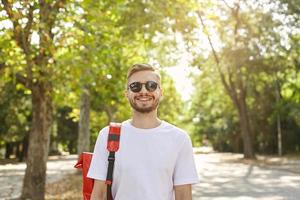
pixel 140 86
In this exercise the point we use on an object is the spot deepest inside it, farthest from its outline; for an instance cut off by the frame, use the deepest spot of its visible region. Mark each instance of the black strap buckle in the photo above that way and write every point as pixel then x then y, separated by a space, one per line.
pixel 110 159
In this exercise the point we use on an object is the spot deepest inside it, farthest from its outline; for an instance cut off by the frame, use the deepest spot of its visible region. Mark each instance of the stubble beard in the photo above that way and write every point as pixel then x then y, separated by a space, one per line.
pixel 144 110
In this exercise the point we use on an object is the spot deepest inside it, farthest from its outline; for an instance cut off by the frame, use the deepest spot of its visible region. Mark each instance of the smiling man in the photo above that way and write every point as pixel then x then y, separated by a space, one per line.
pixel 155 159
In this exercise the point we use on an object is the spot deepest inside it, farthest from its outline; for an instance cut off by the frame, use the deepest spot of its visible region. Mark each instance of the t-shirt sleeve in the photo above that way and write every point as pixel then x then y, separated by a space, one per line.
pixel 185 169
pixel 99 163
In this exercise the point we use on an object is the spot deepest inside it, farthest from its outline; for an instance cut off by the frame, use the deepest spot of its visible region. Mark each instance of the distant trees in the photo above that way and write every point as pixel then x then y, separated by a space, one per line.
pixel 254 61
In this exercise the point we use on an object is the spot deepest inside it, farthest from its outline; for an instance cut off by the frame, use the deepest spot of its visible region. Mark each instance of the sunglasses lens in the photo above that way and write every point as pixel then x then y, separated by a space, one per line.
pixel 135 86
pixel 151 86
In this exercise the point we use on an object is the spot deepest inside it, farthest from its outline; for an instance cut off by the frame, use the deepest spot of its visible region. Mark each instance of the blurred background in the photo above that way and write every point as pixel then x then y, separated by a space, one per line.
pixel 230 73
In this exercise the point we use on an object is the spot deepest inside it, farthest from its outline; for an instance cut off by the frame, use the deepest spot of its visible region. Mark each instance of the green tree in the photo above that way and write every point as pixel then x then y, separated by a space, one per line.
pixel 28 19
pixel 14 119
pixel 250 60
pixel 112 41
pixel 171 106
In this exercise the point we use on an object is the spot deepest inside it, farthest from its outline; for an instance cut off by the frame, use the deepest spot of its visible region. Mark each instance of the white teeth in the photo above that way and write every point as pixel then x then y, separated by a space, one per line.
pixel 143 99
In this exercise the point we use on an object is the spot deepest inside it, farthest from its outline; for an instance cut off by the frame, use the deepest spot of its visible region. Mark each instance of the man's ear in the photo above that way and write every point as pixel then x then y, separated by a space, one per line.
pixel 126 93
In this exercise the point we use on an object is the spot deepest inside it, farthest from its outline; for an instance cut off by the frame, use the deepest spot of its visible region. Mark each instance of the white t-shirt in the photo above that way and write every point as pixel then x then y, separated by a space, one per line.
pixel 149 162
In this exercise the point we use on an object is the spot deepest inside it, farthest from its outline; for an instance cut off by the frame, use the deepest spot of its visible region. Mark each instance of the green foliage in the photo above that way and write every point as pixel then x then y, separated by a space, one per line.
pixel 171 105
pixel 212 113
pixel 14 113
pixel 262 60
pixel 95 42
pixel 106 39
pixel 67 130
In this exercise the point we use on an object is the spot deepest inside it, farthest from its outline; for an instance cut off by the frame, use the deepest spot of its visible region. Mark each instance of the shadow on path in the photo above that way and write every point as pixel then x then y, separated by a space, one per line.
pixel 221 180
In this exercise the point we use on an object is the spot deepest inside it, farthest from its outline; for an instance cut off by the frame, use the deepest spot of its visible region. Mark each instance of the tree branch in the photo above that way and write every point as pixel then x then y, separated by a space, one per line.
pixel 235 13
pixel 227 4
pixel 8 9
pixel 28 26
pixel 48 13
pixel 58 4
pixel 208 37
pixel 17 29
pixel 21 35
pixel 24 80
pixel 54 9
pixel 217 60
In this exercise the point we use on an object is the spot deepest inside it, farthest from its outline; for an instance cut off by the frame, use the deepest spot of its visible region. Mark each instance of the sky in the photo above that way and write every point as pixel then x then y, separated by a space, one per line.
pixel 182 69
pixel 183 83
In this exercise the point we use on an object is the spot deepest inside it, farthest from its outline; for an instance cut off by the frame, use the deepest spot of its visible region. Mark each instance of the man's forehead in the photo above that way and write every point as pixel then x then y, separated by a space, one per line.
pixel 142 76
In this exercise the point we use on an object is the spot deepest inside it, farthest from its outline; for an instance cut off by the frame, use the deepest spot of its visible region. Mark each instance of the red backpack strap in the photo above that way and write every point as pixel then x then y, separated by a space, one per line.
pixel 113 143
pixel 113 139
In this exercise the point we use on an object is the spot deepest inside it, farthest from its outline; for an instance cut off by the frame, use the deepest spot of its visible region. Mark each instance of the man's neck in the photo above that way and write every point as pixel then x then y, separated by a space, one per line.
pixel 145 120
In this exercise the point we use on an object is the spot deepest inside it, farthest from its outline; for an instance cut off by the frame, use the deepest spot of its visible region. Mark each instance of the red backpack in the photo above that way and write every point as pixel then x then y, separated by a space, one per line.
pixel 85 158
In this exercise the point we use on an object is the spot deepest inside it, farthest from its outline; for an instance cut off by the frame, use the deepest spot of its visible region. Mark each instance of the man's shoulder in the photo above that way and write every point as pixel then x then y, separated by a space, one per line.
pixel 174 129
pixel 104 129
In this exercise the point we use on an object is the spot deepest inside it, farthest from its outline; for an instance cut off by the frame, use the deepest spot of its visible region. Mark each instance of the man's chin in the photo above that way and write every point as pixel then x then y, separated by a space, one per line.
pixel 144 110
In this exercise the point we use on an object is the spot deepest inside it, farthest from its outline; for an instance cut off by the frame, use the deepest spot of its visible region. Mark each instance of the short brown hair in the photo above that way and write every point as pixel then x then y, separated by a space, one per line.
pixel 141 67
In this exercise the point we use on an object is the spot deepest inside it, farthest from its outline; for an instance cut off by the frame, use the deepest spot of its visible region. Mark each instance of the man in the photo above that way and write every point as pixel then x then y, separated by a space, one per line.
pixel 155 159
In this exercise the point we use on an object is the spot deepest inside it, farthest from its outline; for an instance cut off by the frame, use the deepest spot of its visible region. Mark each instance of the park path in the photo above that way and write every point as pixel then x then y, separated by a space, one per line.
pixel 222 177
pixel 11 175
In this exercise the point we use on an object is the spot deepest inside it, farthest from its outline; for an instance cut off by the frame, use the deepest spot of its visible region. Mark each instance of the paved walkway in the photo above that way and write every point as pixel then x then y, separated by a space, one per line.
pixel 11 175
pixel 222 177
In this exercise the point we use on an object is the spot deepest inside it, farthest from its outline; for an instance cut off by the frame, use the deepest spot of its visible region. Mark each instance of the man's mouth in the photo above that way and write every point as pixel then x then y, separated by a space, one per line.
pixel 144 99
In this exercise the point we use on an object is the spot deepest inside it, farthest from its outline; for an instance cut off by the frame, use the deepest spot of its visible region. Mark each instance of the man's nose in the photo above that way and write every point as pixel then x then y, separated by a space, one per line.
pixel 144 90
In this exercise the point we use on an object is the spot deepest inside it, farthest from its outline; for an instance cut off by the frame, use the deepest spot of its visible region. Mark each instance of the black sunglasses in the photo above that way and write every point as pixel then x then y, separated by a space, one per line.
pixel 151 86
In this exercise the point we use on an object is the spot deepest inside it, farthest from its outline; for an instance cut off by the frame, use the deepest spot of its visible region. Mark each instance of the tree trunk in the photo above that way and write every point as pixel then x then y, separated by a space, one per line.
pixel 237 95
pixel 245 129
pixel 109 113
pixel 35 175
pixel 24 148
pixel 8 150
pixel 40 17
pixel 279 133
pixel 53 149
pixel 83 143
